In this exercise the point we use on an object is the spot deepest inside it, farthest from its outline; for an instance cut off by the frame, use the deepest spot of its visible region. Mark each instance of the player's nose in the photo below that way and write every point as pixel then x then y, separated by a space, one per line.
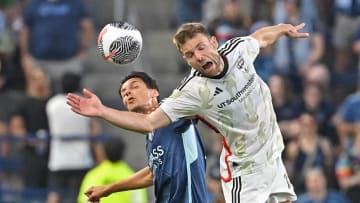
pixel 198 56
pixel 127 93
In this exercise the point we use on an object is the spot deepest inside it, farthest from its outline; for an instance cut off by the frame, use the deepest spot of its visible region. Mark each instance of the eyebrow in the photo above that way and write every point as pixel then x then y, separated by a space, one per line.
pixel 131 83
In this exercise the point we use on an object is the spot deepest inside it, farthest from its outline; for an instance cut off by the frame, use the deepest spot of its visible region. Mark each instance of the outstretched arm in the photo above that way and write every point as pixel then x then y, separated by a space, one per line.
pixel 141 179
pixel 90 105
pixel 266 36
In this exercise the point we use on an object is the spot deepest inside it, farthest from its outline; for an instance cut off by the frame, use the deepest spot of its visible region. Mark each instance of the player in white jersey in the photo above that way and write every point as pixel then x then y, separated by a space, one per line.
pixel 223 88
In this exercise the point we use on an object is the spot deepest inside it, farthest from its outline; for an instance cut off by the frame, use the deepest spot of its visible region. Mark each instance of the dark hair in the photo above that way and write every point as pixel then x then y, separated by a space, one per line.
pixel 115 148
pixel 187 31
pixel 70 82
pixel 149 82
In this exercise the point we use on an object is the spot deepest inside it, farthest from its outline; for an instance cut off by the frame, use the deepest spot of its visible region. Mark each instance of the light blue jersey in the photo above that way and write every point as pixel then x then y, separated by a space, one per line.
pixel 176 157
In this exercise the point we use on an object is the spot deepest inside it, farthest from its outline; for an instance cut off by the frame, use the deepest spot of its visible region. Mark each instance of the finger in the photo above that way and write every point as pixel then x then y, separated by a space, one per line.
pixel 88 193
pixel 73 98
pixel 74 107
pixel 300 26
pixel 93 199
pixel 87 93
pixel 74 103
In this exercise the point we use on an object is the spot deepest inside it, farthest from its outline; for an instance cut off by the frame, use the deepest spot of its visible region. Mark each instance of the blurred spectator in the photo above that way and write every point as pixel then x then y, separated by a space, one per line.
pixel 232 23
pixel 4 152
pixel 15 159
pixel 347 122
pixel 347 13
pixel 32 113
pixel 309 150
pixel 293 56
pixel 348 169
pixel 318 74
pixel 12 164
pixel 346 119
pixel 284 106
pixel 55 37
pixel 317 189
pixel 111 170
pixel 70 146
pixel 9 47
pixel 314 101
pixel 4 145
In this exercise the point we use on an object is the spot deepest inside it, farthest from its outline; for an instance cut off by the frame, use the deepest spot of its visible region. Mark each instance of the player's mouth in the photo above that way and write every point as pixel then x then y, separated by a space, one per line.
pixel 207 65
pixel 131 100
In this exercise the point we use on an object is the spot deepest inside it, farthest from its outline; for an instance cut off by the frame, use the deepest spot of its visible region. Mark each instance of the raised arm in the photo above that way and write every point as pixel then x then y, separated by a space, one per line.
pixel 267 36
pixel 90 105
pixel 141 179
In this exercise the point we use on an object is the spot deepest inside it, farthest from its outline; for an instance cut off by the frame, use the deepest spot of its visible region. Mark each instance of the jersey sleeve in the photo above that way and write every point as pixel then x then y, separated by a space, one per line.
pixel 252 48
pixel 181 103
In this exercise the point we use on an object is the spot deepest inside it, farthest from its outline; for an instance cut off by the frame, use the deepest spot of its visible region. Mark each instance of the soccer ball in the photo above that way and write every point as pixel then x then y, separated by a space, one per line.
pixel 119 42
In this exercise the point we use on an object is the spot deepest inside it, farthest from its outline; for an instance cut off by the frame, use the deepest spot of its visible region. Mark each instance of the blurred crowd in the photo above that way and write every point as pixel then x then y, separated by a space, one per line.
pixel 315 84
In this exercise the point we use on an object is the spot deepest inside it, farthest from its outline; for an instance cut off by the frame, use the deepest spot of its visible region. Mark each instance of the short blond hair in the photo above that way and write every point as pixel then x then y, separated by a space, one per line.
pixel 187 31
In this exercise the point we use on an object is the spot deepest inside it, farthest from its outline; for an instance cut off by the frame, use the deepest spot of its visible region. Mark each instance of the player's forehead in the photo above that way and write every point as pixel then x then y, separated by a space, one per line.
pixel 131 82
pixel 191 43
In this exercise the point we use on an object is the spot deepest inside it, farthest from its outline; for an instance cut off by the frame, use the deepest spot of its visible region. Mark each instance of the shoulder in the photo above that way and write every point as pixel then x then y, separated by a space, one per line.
pixel 350 102
pixel 192 78
pixel 245 46
pixel 231 44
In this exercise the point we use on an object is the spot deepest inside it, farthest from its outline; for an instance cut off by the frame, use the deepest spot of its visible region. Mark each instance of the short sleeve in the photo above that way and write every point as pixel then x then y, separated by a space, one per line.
pixel 180 104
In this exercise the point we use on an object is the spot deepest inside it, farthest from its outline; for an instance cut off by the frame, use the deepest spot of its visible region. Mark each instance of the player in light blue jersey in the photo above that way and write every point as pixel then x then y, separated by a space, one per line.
pixel 176 159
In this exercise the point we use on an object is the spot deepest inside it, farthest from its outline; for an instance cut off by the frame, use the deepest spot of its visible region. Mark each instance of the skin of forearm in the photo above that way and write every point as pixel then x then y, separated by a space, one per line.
pixel 141 179
pixel 268 35
pixel 128 120
pixel 138 122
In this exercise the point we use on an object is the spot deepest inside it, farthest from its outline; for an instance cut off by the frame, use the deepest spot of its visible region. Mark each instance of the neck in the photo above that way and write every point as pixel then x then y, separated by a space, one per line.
pixel 146 109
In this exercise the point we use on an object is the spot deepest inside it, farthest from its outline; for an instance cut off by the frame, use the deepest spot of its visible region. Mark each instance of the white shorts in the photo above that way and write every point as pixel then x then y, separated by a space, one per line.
pixel 269 185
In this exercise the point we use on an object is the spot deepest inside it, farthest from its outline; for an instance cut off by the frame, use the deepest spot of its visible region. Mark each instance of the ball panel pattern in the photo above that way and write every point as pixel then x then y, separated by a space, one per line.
pixel 119 42
pixel 124 49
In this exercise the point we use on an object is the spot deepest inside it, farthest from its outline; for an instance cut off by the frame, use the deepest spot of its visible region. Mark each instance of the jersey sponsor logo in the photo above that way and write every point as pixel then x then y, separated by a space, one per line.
pixel 240 95
pixel 217 91
pixel 156 155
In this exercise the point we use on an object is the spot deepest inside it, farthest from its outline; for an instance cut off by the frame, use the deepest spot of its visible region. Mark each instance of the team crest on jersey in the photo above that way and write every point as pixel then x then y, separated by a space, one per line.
pixel 241 64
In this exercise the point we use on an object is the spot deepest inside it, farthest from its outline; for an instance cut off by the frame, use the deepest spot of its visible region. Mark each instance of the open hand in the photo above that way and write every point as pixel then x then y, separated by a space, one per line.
pixel 87 105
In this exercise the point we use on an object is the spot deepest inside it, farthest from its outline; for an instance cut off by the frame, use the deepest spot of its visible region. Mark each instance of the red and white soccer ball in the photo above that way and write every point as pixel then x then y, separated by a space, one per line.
pixel 119 42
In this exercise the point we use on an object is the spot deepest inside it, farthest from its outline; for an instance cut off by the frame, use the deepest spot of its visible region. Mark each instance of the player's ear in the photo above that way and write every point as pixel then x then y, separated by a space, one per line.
pixel 214 42
pixel 155 93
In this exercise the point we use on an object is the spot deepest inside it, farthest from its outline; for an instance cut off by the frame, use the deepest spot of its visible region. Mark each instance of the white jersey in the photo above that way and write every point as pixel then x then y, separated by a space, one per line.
pixel 67 154
pixel 238 103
